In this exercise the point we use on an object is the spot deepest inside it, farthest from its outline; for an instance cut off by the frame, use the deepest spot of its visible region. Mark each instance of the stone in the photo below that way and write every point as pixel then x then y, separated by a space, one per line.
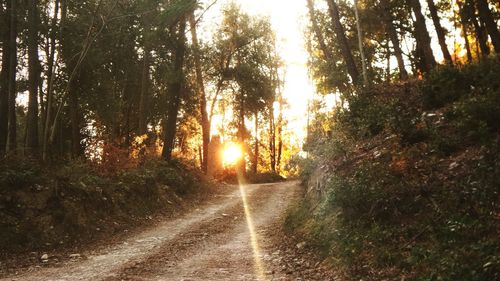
pixel 301 245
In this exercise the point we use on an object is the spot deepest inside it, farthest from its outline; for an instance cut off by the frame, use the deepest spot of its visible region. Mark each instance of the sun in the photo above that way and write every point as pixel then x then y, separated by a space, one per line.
pixel 231 154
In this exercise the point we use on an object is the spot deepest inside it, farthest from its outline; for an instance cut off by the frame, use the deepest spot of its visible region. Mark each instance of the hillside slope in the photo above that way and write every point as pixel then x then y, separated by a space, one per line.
pixel 42 208
pixel 406 183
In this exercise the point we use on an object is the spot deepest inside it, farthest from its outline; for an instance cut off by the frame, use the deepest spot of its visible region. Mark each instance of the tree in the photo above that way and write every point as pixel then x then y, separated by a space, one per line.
pixel 255 160
pixel 11 75
pixel 317 31
pixel 145 75
pixel 51 73
pixel 200 85
pixel 489 22
pixel 393 37
pixel 441 33
pixel 342 41
pixel 31 145
pixel 175 88
pixel 243 63
pixel 279 129
pixel 360 43
pixel 479 29
pixel 465 30
pixel 4 77
pixel 424 51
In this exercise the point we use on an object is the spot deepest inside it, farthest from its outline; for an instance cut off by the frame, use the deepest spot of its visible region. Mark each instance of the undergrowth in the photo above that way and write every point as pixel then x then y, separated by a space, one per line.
pixel 44 206
pixel 415 187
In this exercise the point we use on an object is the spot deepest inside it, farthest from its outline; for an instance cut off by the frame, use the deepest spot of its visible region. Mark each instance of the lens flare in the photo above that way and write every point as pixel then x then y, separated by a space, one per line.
pixel 232 154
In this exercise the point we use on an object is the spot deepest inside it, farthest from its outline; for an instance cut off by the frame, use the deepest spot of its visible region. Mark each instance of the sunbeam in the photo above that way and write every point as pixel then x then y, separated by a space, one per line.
pixel 259 267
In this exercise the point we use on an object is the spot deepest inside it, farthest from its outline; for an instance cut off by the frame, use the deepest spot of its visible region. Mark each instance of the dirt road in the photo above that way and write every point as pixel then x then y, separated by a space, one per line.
pixel 232 237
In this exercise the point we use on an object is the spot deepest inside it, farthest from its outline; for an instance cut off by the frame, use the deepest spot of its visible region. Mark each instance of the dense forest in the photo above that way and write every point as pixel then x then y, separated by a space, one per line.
pixel 402 174
pixel 112 81
pixel 124 105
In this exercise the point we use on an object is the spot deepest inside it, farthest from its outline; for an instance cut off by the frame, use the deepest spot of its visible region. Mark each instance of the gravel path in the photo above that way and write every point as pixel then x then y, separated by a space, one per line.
pixel 232 237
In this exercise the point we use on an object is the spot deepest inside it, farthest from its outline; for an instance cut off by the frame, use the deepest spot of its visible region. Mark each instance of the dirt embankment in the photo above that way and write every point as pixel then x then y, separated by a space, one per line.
pixel 43 209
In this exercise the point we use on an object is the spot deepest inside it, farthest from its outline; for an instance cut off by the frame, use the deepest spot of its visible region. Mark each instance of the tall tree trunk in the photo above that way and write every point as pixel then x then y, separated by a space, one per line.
pixel 144 91
pixel 317 31
pixel 481 34
pixel 75 121
pixel 126 129
pixel 424 50
pixel 145 79
pixel 128 100
pixel 465 29
pixel 241 165
pixel 50 82
pixel 205 122
pixel 43 105
pixel 388 63
pixel 31 145
pixel 489 22
pixel 360 43
pixel 255 161
pixel 483 40
pixel 393 36
pixel 467 42
pixel 272 138
pixel 175 89
pixel 441 34
pixel 342 41
pixel 74 65
pixel 4 79
pixel 12 74
pixel 55 129
pixel 280 133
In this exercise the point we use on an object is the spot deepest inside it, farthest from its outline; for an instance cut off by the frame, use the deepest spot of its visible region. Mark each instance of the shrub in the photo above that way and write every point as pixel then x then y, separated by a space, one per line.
pixel 364 117
pixel 444 85
pixel 18 174
pixel 480 112
pixel 448 84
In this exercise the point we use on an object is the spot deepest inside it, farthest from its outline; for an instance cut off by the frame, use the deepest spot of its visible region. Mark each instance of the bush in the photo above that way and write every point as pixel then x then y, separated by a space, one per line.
pixel 448 84
pixel 480 113
pixel 268 177
pixel 19 174
pixel 364 117
pixel 67 202
pixel 444 85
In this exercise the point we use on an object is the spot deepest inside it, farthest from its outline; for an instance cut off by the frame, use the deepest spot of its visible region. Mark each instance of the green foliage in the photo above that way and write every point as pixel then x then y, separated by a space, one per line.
pixel 41 205
pixel 414 192
pixel 371 112
pixel 479 115
pixel 246 46
pixel 373 218
pixel 19 174
pixel 448 84
pixel 444 85
pixel 365 118
pixel 177 10
pixel 306 166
